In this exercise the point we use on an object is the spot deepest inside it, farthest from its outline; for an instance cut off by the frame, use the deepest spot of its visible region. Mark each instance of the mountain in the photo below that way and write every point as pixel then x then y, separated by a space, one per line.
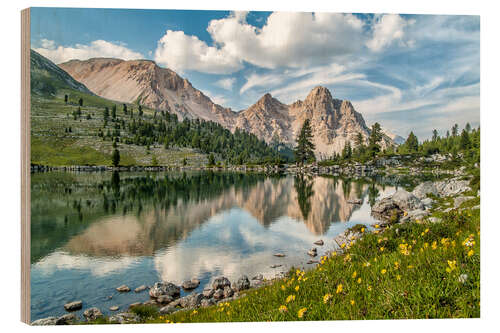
pixel 144 82
pixel 334 121
pixel 46 77
pixel 399 140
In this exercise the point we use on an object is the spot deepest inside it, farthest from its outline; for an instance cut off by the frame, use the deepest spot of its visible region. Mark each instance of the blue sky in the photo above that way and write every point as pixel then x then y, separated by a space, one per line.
pixel 408 72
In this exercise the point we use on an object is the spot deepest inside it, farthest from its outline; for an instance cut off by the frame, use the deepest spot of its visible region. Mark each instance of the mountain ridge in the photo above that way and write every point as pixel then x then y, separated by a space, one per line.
pixel 334 121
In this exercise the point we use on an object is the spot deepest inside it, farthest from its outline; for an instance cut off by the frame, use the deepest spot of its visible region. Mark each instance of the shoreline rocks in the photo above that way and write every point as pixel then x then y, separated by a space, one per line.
pixel 73 306
pixel 123 289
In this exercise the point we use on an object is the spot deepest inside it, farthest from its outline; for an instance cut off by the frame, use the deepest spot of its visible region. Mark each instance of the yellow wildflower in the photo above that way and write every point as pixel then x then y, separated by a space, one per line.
pixel 382 249
pixel 342 245
pixel 194 312
pixel 352 302
pixel 383 271
pixel 452 265
pixel 434 245
pixel 290 298
pixel 301 312
pixel 362 230
pixel 283 287
pixel 359 280
pixel 470 253
pixel 283 309
pixel 396 265
pixel 354 274
pixel 369 288
pixel 327 298
pixel 339 288
pixel 377 226
pixel 297 288
pixel 398 277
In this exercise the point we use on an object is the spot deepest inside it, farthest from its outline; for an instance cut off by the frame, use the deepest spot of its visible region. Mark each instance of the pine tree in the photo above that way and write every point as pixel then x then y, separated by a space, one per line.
pixel 464 140
pixel 106 113
pixel 412 143
pixel 454 130
pixel 434 135
pixel 374 139
pixel 115 158
pixel 304 151
pixel 80 101
pixel 65 99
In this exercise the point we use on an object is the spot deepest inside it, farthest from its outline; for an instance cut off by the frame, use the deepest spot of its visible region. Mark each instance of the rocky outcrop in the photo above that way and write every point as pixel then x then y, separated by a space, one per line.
pixel 164 288
pixel 92 314
pixel 73 306
pixel 444 188
pixel 389 209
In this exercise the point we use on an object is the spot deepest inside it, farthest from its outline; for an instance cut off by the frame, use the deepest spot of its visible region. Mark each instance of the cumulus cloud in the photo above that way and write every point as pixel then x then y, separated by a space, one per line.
pixel 388 29
pixel 286 40
pixel 97 48
pixel 181 52
pixel 227 83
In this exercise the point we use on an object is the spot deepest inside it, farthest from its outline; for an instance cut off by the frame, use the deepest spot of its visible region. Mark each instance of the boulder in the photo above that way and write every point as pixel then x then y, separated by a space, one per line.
pixel 167 309
pixel 228 292
pixel 221 283
pixel 45 321
pixel 319 242
pixel 406 201
pixel 124 318
pixel 413 215
pixel 73 306
pixel 114 308
pixel 452 187
pixel 92 314
pixel 243 283
pixel 208 293
pixel 206 302
pixel 164 288
pixel 427 202
pixel 164 299
pixel 67 319
pixel 123 289
pixel 190 284
pixel 140 288
pixel 218 294
pixel 191 301
pixel 425 188
pixel 313 252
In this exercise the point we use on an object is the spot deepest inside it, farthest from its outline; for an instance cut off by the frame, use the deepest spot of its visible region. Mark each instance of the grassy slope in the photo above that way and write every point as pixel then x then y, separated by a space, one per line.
pixel 405 271
pixel 50 145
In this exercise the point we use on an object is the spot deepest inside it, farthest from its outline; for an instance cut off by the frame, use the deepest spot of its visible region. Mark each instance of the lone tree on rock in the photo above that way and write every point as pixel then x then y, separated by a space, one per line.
pixel 116 157
pixel 304 152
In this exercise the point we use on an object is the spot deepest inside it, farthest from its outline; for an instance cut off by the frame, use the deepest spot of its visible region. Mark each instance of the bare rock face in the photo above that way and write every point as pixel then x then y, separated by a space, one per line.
pixel 334 122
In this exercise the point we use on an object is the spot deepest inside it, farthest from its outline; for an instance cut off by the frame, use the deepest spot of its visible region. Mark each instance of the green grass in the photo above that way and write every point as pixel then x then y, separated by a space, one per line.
pixel 52 145
pixel 406 271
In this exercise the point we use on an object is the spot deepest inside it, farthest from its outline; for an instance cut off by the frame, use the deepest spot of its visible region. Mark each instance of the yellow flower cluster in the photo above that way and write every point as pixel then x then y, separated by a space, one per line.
pixel 469 241
pixel 452 265
pixel 327 298
pixel 301 312
pixel 283 309
pixel 339 288
pixel 290 298
pixel 404 249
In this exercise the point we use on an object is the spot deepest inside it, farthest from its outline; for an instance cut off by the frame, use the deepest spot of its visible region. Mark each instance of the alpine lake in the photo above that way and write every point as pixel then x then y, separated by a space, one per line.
pixel 94 231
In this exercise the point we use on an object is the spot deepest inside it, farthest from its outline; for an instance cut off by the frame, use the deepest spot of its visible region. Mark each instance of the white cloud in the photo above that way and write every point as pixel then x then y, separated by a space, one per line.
pixel 227 83
pixel 180 52
pixel 97 48
pixel 387 29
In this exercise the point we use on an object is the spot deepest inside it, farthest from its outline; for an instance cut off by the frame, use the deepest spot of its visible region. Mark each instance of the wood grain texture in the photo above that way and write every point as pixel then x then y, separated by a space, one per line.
pixel 25 166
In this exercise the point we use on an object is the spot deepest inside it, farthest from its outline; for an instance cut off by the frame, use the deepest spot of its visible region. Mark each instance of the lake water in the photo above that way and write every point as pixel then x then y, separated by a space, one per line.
pixel 92 232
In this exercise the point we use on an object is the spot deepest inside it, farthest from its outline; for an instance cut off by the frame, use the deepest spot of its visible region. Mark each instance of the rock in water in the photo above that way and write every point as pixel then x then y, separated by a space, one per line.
pixel 123 289
pixel 73 306
pixel 279 255
pixel 221 283
pixel 140 288
pixel 319 242
pixel 67 319
pixel 92 314
pixel 243 283
pixel 190 284
pixel 114 308
pixel 313 252
pixel 164 288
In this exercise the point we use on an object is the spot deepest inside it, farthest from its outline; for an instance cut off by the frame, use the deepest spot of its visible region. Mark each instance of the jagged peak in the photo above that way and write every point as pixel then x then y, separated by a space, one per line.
pixel 319 92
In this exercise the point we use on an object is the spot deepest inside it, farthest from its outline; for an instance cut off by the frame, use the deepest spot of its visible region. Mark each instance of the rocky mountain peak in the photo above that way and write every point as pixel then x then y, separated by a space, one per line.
pixel 319 94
